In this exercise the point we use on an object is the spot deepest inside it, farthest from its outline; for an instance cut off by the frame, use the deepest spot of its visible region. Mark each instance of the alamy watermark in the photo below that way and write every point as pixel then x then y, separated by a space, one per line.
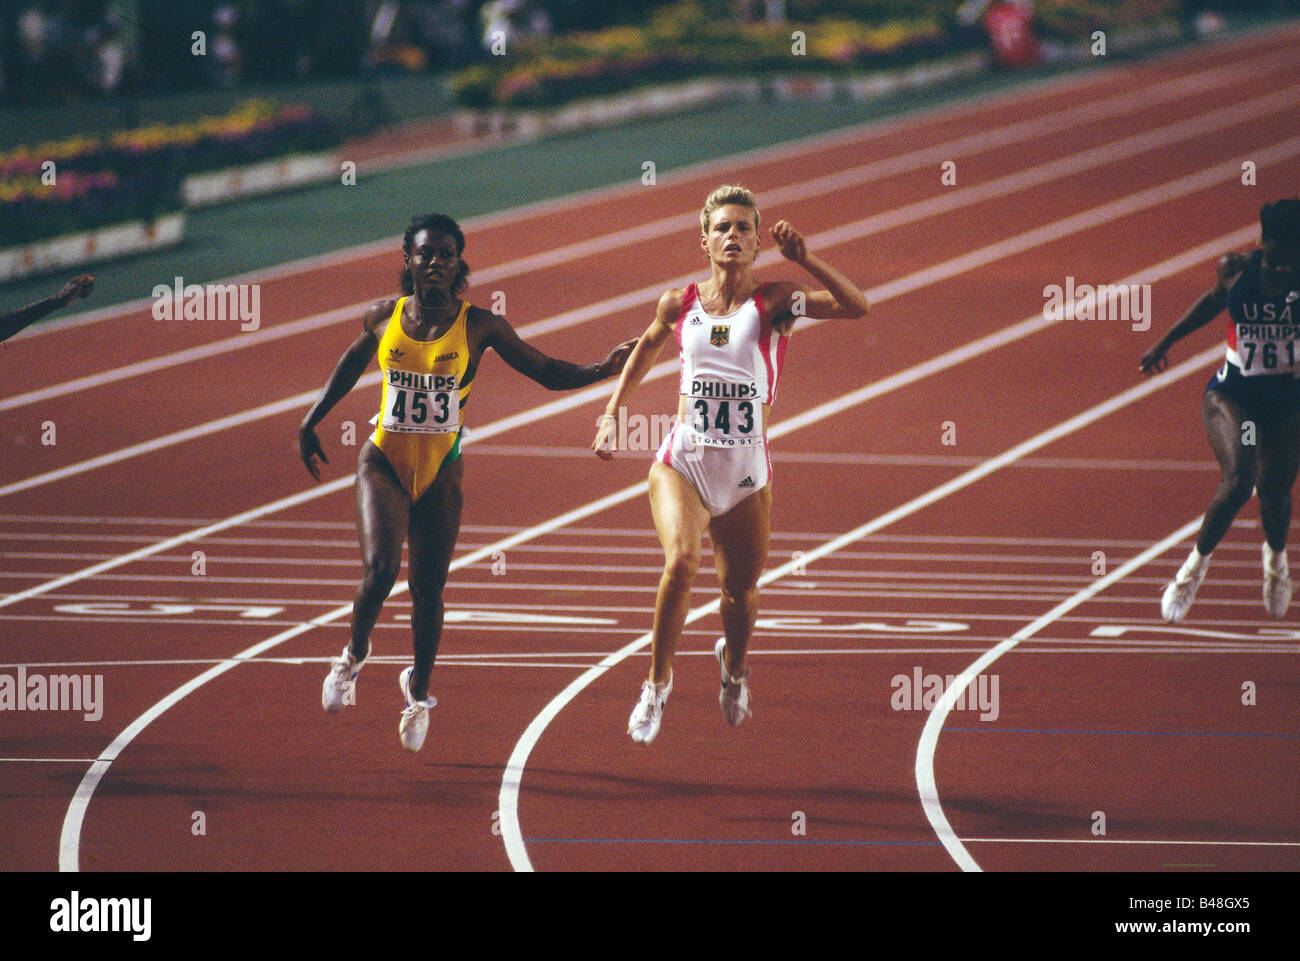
pixel 921 692
pixel 53 692
pixel 184 301
pixel 1130 302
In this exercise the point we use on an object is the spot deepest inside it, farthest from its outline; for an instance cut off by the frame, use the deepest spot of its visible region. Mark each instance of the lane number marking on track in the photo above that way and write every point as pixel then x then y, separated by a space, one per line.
pixel 514 617
pixel 1264 633
pixel 910 626
pixel 116 609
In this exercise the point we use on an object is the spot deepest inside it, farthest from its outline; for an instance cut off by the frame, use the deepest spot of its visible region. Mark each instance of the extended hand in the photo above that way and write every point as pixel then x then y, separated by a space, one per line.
pixel 1154 360
pixel 309 448
pixel 79 286
pixel 789 241
pixel 606 441
pixel 612 365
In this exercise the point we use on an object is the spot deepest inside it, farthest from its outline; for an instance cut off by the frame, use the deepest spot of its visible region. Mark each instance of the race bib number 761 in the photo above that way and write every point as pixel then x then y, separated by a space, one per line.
pixel 1267 348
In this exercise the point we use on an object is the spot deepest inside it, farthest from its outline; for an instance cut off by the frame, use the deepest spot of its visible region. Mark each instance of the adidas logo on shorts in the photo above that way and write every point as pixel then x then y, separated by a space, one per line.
pixel 747 482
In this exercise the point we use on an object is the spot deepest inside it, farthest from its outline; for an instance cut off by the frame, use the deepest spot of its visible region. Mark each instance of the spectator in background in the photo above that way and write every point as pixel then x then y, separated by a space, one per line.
pixel 445 30
pixel 1010 28
pixel 106 64
pixel 33 52
pixel 505 21
pixel 227 61
pixel 391 39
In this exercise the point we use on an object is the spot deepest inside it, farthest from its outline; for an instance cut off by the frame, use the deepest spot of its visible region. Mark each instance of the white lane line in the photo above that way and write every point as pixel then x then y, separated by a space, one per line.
pixel 854 178
pixel 937 364
pixel 929 741
pixel 867 130
pixel 508 798
pixel 982 256
pixel 70 839
pixel 48 760
pixel 524 659
pixel 240 419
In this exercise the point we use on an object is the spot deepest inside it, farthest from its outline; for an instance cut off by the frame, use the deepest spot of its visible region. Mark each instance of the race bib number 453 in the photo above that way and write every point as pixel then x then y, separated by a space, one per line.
pixel 420 403
pixel 1267 348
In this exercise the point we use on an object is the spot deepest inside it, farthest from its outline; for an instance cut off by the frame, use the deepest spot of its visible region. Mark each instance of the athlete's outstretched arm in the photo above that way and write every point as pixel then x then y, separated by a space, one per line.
pixel 647 350
pixel 347 372
pixel 551 373
pixel 12 323
pixel 1209 306
pixel 840 299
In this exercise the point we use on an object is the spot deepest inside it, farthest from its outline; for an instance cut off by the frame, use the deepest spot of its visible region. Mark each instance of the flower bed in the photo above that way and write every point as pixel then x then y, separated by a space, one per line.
pixel 683 41
pixel 138 175
pixel 1065 20
pixel 696 38
pixel 31 211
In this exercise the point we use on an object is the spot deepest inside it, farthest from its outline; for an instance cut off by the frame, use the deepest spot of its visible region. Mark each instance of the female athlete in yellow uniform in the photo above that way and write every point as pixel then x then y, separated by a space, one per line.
pixel 409 474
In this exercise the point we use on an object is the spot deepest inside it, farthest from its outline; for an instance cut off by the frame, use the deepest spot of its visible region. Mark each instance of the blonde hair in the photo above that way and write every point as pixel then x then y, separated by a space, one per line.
pixel 727 194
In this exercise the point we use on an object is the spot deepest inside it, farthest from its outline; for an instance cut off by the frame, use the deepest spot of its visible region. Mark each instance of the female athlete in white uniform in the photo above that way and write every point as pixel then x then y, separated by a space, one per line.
pixel 712 471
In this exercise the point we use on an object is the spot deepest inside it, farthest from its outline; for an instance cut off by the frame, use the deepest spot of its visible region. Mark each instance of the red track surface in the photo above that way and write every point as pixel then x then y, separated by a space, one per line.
pixel 1140 721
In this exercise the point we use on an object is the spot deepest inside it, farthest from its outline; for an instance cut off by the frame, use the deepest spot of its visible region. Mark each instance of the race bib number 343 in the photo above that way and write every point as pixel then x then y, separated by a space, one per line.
pixel 420 404
pixel 1267 348
pixel 725 423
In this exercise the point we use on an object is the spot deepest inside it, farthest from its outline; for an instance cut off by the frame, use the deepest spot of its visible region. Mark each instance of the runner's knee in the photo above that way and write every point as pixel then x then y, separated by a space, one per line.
pixel 426 592
pixel 379 574
pixel 1238 483
pixel 738 593
pixel 680 564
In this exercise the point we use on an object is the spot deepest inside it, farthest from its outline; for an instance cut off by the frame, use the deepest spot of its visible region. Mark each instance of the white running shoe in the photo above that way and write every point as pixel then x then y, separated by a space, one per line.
pixel 340 685
pixel 1177 600
pixel 415 719
pixel 734 696
pixel 1277 582
pixel 643 725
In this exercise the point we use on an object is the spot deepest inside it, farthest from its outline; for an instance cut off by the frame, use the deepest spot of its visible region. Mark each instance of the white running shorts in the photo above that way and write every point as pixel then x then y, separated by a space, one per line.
pixel 722 476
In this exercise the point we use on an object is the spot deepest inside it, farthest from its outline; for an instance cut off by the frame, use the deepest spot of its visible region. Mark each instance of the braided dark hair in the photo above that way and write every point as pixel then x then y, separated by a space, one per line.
pixel 1279 223
pixel 442 224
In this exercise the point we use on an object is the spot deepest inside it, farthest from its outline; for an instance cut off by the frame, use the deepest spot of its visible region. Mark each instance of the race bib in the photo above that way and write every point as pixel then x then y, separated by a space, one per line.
pixel 1267 348
pixel 420 403
pixel 724 414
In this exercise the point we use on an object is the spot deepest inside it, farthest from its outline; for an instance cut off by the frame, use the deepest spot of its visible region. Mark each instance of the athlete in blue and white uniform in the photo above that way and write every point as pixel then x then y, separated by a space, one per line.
pixel 713 472
pixel 1251 409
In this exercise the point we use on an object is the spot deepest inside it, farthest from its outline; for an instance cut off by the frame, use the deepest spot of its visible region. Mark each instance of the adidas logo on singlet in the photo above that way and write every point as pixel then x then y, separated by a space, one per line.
pixel 747 482
pixel 394 354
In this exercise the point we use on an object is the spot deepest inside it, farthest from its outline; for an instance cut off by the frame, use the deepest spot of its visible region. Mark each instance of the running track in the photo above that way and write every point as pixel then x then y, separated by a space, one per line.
pixel 1022 548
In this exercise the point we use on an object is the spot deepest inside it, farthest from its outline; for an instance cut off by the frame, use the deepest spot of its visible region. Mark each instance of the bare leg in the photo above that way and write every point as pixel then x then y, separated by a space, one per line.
pixel 435 522
pixel 740 539
pixel 680 519
pixel 1277 458
pixel 382 507
pixel 1223 423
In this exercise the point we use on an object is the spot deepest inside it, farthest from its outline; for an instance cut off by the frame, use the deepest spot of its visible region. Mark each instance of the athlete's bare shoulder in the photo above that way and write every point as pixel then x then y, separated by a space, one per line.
pixel 778 294
pixel 1230 267
pixel 670 305
pixel 484 327
pixel 377 315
